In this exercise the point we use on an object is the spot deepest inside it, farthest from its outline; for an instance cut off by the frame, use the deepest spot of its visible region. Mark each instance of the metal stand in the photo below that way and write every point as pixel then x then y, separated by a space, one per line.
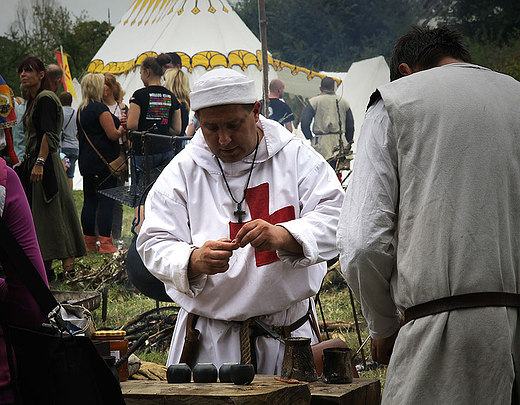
pixel 131 195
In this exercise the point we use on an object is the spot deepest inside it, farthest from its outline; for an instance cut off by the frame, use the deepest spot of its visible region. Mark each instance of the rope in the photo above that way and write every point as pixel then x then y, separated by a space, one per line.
pixel 245 343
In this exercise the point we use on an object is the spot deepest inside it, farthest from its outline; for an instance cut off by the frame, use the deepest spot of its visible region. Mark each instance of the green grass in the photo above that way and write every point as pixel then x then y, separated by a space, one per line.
pixel 125 302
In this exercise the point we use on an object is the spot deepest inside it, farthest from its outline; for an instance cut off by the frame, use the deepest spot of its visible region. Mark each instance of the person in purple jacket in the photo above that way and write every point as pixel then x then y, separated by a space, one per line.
pixel 18 305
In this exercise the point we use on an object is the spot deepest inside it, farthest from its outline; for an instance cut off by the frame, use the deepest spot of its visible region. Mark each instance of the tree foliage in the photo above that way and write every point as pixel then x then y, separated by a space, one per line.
pixel 329 34
pixel 494 21
pixel 41 28
pixel 492 28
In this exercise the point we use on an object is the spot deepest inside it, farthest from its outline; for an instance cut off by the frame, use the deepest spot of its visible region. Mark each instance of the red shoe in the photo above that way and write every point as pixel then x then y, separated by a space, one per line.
pixel 106 245
pixel 91 243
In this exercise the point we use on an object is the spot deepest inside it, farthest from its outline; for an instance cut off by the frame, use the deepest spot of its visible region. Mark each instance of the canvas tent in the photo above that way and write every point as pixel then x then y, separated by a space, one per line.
pixel 205 33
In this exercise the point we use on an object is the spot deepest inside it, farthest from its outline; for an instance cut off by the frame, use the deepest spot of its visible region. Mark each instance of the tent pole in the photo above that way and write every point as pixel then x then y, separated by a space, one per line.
pixel 265 64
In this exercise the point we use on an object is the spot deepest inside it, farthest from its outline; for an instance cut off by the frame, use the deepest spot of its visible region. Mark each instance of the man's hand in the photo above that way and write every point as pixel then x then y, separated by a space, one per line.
pixel 212 257
pixel 381 349
pixel 265 237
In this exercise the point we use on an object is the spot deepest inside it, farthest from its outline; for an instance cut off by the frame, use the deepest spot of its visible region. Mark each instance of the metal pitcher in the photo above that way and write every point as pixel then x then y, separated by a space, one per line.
pixel 298 362
pixel 337 365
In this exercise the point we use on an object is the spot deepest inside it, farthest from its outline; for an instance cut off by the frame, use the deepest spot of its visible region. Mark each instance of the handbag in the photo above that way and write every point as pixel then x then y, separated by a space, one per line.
pixel 117 167
pixel 53 366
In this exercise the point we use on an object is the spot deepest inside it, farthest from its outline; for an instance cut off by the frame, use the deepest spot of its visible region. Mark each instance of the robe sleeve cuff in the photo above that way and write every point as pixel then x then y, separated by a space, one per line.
pixel 189 286
pixel 306 239
pixel 386 327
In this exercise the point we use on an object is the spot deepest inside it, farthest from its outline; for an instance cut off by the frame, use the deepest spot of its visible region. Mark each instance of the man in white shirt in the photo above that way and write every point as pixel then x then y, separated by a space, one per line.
pixel 239 227
pixel 430 225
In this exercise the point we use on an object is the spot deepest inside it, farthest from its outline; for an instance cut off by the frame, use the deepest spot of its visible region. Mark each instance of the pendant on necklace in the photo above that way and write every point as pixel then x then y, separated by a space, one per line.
pixel 239 212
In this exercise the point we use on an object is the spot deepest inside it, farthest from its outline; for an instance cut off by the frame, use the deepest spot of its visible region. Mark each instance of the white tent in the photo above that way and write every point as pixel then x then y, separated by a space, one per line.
pixel 205 33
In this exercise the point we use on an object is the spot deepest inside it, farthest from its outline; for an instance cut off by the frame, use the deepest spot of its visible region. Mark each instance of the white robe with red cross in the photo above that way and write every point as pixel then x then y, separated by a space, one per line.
pixel 291 185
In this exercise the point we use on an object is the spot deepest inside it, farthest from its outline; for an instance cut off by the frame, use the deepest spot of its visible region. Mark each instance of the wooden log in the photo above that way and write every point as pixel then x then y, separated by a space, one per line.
pixel 257 393
pixel 341 325
pixel 362 391
pixel 263 391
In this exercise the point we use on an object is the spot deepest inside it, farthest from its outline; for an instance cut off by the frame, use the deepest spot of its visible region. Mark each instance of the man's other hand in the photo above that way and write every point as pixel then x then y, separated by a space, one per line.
pixel 212 257
pixel 381 349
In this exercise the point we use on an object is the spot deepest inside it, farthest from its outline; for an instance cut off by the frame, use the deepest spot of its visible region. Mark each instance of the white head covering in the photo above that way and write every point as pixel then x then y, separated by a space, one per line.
pixel 220 87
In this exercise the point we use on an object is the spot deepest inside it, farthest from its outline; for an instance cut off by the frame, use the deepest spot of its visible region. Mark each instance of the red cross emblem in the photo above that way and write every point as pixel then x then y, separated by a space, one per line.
pixel 257 199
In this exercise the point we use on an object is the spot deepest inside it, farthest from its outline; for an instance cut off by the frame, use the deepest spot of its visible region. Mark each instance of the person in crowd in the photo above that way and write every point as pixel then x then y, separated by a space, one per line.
pixel 332 119
pixel 17 303
pixel 98 132
pixel 153 109
pixel 42 175
pixel 245 207
pixel 193 126
pixel 55 74
pixel 69 140
pixel 426 232
pixel 7 122
pixel 278 109
pixel 113 98
pixel 164 61
pixel 176 60
pixel 17 131
pixel 178 83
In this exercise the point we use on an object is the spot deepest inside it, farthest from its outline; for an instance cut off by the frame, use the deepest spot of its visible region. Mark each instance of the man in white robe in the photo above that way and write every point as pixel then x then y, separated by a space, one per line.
pixel 239 225
pixel 433 211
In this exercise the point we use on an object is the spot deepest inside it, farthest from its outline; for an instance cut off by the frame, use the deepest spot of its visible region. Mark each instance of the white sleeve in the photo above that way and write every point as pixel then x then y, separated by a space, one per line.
pixel 366 234
pixel 320 199
pixel 164 242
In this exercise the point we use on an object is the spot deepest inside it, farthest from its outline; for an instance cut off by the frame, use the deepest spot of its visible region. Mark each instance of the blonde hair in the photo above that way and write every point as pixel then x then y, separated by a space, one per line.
pixel 92 88
pixel 111 81
pixel 177 82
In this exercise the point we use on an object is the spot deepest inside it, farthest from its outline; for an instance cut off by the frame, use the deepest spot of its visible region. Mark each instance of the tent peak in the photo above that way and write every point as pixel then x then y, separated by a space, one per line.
pixel 147 12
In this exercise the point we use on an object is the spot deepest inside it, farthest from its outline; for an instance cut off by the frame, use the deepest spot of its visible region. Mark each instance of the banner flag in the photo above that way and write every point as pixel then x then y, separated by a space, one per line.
pixel 63 62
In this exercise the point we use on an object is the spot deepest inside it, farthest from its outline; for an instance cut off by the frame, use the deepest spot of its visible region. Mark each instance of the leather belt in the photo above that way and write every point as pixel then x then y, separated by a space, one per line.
pixel 464 301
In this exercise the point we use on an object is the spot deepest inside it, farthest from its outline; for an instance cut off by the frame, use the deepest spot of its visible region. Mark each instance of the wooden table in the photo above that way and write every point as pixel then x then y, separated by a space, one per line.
pixel 362 391
pixel 264 390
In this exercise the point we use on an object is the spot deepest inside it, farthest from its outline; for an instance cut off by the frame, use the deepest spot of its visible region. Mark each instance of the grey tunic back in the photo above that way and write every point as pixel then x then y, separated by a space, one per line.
pixel 457 129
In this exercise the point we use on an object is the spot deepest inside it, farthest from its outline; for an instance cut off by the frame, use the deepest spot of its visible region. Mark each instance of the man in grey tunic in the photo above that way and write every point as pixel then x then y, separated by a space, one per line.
pixel 433 212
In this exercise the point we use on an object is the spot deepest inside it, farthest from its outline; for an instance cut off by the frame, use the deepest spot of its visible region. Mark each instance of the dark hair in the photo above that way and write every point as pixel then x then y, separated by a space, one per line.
pixel 35 64
pixel 175 58
pixel 248 107
pixel 424 48
pixel 163 59
pixel 65 99
pixel 32 63
pixel 151 64
pixel 327 83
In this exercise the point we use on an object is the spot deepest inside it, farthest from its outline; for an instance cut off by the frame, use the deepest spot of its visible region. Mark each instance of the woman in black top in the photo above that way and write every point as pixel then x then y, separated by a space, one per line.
pixel 103 130
pixel 153 109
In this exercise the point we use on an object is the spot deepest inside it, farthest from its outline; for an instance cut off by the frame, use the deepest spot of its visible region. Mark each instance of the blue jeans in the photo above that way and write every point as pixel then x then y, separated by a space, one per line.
pixel 156 161
pixel 73 155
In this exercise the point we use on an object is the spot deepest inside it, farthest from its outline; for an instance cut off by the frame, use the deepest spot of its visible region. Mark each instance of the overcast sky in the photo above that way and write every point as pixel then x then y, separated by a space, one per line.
pixel 96 9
